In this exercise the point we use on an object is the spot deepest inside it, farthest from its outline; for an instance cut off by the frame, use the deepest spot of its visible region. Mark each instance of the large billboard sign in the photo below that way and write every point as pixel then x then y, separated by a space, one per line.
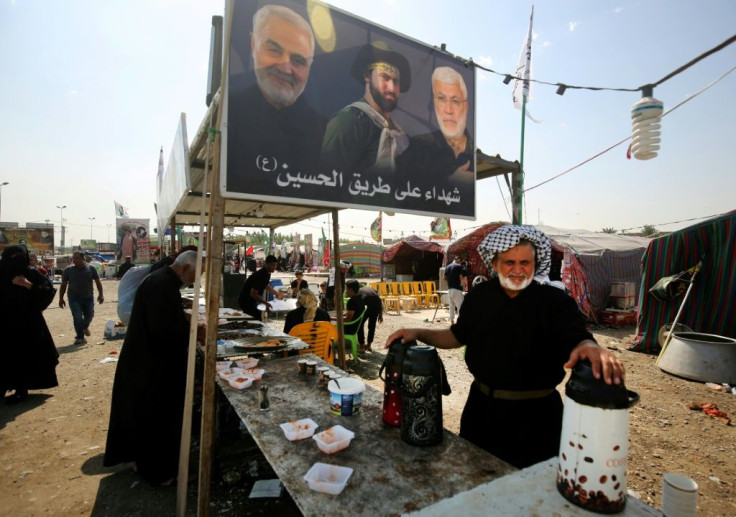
pixel 133 240
pixel 326 109
pixel 37 239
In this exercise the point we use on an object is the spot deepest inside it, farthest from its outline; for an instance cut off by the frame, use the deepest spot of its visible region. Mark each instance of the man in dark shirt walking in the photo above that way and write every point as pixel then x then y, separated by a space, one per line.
pixel 252 293
pixel 78 278
pixel 124 267
pixel 373 313
pixel 457 283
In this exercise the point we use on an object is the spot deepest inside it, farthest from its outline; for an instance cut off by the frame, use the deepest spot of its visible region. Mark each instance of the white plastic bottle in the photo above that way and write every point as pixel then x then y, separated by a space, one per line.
pixel 645 117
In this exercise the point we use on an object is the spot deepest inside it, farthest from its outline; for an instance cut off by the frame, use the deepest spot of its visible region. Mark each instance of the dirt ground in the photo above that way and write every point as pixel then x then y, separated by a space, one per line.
pixel 51 444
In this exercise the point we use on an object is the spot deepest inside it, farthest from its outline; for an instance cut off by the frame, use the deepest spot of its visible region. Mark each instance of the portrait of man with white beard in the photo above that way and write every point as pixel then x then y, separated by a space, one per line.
pixel 270 124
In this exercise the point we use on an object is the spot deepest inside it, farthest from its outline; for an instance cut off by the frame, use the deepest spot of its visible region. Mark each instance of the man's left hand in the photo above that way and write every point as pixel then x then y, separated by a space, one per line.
pixel 603 361
pixel 100 299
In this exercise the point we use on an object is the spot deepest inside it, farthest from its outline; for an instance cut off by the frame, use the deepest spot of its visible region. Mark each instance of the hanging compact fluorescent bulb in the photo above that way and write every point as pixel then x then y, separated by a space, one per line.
pixel 645 117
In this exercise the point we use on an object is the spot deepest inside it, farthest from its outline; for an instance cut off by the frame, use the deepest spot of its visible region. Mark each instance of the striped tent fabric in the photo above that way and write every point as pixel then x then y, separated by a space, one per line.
pixel 711 306
pixel 363 255
pixel 601 270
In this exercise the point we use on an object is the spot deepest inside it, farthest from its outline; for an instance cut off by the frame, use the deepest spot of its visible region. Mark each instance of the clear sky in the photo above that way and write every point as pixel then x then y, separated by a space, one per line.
pixel 91 90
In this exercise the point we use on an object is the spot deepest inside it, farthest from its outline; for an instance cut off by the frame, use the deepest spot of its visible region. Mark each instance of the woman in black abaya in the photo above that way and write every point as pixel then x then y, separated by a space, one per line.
pixel 28 356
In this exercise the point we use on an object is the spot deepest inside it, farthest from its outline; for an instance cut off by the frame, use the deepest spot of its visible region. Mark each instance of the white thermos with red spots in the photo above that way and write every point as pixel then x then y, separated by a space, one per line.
pixel 594 442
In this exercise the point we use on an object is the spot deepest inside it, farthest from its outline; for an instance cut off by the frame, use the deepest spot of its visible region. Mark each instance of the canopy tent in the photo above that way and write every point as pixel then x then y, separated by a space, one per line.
pixel 592 261
pixel 415 256
pixel 364 256
pixel 711 306
pixel 586 262
pixel 179 201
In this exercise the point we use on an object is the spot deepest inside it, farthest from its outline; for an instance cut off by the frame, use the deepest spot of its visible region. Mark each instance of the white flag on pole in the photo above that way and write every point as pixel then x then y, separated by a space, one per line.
pixel 524 69
pixel 120 210
pixel 161 163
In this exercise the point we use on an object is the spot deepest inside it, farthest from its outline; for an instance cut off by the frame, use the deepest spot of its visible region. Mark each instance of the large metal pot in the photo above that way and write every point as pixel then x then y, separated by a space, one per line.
pixel 701 357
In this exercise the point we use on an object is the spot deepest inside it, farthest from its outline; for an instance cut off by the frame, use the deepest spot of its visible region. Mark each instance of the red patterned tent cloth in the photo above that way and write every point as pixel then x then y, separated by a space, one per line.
pixel 415 256
pixel 586 262
pixel 711 306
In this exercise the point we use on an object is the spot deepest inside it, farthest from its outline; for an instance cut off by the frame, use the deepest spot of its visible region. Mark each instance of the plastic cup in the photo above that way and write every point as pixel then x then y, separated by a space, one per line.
pixel 679 495
pixel 302 364
pixel 311 367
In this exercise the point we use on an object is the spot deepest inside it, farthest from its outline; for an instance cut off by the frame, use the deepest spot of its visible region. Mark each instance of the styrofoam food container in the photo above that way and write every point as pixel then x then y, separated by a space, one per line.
pixel 328 479
pixel 223 365
pixel 256 373
pixel 247 363
pixel 347 396
pixel 299 429
pixel 240 382
pixel 231 372
pixel 334 439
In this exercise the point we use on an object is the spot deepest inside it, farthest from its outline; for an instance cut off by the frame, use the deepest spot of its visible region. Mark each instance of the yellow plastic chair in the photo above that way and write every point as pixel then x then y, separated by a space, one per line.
pixel 430 297
pixel 319 335
pixel 418 292
pixel 382 289
pixel 391 298
pixel 408 291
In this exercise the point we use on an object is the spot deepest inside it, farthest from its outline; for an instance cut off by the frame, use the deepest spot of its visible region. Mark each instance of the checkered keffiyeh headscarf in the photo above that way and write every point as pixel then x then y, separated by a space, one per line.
pixel 506 237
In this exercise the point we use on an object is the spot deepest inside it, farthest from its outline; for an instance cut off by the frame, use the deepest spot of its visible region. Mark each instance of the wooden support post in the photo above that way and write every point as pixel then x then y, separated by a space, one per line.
pixel 338 287
pixel 215 223
pixel 172 224
pixel 214 278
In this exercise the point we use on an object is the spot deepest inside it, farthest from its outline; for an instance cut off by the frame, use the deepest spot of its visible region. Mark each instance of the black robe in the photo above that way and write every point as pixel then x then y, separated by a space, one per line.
pixel 28 356
pixel 150 381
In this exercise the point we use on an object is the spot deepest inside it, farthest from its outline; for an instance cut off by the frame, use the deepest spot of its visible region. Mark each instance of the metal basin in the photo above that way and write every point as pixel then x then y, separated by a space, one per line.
pixel 701 357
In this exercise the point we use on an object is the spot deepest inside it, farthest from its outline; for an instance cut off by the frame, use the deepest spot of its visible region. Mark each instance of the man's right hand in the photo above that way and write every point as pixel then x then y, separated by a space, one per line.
pixel 404 334
pixel 62 303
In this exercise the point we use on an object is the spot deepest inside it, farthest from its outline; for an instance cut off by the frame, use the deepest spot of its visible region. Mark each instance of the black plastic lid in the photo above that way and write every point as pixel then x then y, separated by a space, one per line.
pixel 421 360
pixel 585 389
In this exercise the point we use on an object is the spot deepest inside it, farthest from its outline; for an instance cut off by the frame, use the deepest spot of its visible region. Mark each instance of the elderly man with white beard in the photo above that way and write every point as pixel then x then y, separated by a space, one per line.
pixel 270 122
pixel 520 337
pixel 443 158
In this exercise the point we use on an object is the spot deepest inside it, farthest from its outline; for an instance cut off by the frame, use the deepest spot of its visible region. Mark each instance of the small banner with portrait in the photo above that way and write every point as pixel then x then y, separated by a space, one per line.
pixel 377 228
pixel 440 228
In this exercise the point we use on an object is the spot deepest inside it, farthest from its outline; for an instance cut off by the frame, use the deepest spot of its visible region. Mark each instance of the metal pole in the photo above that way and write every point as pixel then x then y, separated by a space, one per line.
pixel 1 197
pixel 90 226
pixel 519 208
pixel 679 312
pixel 61 223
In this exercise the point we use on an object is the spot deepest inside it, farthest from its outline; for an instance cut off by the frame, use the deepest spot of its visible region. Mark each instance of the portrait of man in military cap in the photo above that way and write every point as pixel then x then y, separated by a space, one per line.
pixel 363 136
